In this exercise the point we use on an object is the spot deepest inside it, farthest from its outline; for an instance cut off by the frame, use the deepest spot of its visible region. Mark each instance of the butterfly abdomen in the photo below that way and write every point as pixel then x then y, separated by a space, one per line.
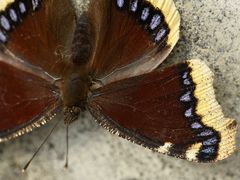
pixel 82 42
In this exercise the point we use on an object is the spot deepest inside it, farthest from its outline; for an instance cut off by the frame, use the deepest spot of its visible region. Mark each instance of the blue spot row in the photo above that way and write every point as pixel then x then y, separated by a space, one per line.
pixel 13 14
pixel 149 17
pixel 208 136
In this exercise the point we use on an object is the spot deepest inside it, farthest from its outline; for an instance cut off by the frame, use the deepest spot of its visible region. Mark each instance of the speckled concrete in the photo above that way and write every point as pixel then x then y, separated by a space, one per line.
pixel 210 31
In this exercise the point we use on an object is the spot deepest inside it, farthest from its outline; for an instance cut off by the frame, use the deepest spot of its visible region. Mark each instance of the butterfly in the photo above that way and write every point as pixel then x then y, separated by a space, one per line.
pixel 106 61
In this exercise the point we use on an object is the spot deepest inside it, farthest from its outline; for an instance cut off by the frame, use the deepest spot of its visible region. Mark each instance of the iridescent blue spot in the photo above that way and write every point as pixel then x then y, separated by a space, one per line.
pixel 196 125
pixel 208 150
pixel 134 5
pixel 186 81
pixel 22 7
pixel 156 20
pixel 185 75
pixel 35 4
pixel 210 141
pixel 5 23
pixel 207 132
pixel 161 35
pixel 120 3
pixel 145 14
pixel 186 97
pixel 13 15
pixel 189 112
pixel 3 37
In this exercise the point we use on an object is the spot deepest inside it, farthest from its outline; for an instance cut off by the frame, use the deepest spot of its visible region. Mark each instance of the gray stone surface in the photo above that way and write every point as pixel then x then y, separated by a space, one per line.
pixel 210 31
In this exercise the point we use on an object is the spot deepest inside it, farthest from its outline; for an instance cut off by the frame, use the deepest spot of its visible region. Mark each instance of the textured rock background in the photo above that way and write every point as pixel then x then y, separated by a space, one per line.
pixel 210 31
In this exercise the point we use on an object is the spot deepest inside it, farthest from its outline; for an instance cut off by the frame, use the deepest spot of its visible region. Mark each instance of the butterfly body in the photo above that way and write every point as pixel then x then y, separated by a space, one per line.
pixel 106 62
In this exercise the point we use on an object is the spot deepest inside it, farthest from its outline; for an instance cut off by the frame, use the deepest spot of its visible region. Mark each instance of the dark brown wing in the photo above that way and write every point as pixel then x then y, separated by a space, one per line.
pixel 132 37
pixel 173 111
pixel 26 100
pixel 39 32
pixel 36 39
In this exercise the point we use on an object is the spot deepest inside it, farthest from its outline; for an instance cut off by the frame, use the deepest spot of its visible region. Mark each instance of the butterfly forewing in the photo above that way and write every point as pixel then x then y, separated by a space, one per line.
pixel 39 32
pixel 131 36
pixel 163 111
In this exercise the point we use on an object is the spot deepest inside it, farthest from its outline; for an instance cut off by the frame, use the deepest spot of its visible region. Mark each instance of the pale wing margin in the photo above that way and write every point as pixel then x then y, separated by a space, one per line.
pixel 211 112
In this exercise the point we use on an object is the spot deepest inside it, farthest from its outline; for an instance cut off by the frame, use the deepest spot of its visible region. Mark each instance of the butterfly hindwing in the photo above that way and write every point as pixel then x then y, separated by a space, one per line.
pixel 27 100
pixel 132 37
pixel 173 111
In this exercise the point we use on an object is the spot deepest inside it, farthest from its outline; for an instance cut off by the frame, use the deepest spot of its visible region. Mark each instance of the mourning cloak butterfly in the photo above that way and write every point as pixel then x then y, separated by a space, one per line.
pixel 105 61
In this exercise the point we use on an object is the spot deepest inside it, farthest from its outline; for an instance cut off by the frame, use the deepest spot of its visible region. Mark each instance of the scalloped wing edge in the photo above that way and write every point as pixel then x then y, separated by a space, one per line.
pixel 37 122
pixel 211 112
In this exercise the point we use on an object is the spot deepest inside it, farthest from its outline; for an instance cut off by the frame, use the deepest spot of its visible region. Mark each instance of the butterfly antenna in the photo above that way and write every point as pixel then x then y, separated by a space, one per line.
pixel 67 143
pixel 46 138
